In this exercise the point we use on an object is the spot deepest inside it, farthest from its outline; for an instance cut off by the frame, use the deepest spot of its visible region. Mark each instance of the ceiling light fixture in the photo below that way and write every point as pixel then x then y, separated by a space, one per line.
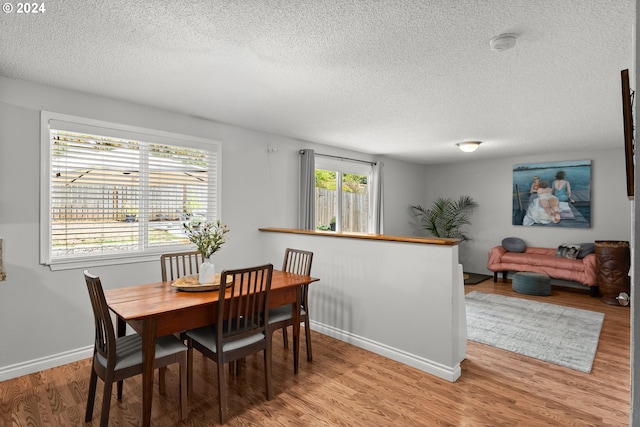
pixel 468 146
pixel 503 42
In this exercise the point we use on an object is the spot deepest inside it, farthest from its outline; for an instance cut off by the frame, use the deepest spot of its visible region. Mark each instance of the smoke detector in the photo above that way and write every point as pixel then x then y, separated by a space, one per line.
pixel 503 42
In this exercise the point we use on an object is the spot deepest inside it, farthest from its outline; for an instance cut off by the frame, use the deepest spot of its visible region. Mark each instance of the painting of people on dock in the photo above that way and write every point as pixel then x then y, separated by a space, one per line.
pixel 554 194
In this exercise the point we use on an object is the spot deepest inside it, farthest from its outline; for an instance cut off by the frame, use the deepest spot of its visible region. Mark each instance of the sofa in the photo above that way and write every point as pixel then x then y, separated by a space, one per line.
pixel 544 260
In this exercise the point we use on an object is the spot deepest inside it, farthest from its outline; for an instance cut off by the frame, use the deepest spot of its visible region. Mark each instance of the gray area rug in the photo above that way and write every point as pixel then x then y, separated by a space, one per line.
pixel 553 333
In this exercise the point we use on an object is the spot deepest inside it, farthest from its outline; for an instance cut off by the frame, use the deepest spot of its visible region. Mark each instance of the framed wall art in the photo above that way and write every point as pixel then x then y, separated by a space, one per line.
pixel 627 118
pixel 556 194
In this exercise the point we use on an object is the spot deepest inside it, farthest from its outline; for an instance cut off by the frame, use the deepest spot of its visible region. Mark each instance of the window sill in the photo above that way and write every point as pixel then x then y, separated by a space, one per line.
pixel 367 236
pixel 118 259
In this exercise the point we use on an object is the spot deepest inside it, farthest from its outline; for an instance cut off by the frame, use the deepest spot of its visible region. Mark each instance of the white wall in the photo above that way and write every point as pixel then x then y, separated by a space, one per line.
pixel 490 184
pixel 404 186
pixel 45 313
pixel 380 295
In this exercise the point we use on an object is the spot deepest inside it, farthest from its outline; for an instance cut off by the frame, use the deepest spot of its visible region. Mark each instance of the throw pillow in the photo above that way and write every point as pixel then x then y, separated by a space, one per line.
pixel 514 244
pixel 586 249
pixel 568 251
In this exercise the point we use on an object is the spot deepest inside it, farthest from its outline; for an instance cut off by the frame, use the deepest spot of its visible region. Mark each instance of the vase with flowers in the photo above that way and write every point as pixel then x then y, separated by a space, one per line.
pixel 208 238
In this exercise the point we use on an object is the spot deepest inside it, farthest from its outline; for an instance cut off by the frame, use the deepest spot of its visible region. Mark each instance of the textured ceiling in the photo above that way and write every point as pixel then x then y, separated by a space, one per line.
pixel 404 78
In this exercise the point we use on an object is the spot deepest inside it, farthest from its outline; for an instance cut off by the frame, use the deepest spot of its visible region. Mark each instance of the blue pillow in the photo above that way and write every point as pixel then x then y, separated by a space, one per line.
pixel 514 244
pixel 586 249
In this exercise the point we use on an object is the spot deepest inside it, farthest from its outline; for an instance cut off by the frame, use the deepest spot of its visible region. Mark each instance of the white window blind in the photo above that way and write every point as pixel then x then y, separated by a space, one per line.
pixel 115 192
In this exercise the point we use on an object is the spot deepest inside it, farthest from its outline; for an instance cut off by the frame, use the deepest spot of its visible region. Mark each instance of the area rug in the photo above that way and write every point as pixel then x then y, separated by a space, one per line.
pixel 474 278
pixel 561 335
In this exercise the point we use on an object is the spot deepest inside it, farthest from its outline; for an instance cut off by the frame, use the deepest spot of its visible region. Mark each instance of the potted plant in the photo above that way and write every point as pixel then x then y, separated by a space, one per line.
pixel 446 217
pixel 208 238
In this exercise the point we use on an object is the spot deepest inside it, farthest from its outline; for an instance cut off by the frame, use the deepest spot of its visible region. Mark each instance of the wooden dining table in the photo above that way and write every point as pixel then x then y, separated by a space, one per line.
pixel 158 309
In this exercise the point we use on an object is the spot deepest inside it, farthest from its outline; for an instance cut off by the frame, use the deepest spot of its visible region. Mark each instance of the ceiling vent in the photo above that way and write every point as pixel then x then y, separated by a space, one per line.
pixel 503 42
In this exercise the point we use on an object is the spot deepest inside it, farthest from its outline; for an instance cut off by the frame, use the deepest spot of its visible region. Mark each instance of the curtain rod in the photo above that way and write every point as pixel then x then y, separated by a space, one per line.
pixel 343 158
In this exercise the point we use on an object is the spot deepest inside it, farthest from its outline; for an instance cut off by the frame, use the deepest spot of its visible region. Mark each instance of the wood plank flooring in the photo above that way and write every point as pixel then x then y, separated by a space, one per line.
pixel 348 386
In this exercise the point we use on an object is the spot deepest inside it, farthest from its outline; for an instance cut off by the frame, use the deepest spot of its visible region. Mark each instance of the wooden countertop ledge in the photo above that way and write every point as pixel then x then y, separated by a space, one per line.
pixel 366 236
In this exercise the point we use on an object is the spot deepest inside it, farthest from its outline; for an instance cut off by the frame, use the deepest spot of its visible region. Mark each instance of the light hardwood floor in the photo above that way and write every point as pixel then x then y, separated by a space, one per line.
pixel 347 386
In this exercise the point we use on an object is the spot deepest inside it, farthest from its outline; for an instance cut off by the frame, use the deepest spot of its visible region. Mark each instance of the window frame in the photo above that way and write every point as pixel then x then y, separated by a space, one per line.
pixel 345 166
pixel 81 124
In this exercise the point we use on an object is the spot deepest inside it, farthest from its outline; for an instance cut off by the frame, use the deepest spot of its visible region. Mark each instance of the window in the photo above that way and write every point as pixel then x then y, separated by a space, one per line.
pixel 343 195
pixel 113 193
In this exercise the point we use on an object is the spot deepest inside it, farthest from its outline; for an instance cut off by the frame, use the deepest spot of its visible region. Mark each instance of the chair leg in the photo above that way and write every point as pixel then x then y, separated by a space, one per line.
pixel 106 401
pixel 183 386
pixel 234 367
pixel 307 333
pixel 267 372
pixel 91 397
pixel 285 337
pixel 119 388
pixel 189 369
pixel 222 392
pixel 162 387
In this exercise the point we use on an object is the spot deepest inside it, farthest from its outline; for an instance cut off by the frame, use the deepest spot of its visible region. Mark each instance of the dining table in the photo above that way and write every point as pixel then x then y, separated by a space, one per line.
pixel 158 309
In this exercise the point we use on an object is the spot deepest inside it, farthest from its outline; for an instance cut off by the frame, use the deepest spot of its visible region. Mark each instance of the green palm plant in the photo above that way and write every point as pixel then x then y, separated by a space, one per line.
pixel 446 216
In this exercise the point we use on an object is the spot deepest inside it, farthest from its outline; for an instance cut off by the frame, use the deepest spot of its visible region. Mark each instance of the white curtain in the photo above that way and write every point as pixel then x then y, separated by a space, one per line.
pixel 307 210
pixel 376 201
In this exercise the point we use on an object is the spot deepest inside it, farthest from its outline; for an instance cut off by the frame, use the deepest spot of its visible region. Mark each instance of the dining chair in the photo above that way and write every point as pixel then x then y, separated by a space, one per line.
pixel 176 265
pixel 180 264
pixel 299 262
pixel 117 358
pixel 240 328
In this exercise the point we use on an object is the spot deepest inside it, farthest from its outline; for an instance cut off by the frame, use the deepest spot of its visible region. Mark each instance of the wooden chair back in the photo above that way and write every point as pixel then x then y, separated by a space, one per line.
pixel 245 312
pixel 298 261
pixel 180 264
pixel 105 338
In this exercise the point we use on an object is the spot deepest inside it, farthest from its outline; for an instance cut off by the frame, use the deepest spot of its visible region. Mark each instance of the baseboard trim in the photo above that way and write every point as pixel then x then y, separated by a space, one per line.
pixel 42 363
pixel 426 365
